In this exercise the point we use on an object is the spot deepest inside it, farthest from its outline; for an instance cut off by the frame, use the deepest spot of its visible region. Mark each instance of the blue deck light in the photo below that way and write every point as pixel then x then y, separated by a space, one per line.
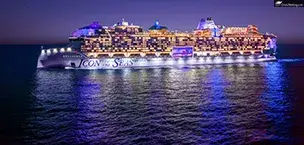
pixel 157 24
pixel 214 32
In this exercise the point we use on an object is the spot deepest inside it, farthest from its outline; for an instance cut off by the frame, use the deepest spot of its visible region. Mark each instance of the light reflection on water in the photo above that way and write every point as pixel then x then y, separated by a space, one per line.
pixel 219 104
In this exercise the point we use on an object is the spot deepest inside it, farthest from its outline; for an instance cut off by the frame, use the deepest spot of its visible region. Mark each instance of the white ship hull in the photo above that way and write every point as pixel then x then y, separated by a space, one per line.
pixel 117 63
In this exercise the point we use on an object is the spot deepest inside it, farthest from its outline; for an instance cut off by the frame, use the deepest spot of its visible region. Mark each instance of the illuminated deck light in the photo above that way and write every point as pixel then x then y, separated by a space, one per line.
pixel 62 50
pixel 199 53
pixel 110 54
pixel 42 52
pixel 48 52
pixel 142 54
pixel 204 53
pixel 69 49
pixel 55 50
pixel 95 55
pixel 127 54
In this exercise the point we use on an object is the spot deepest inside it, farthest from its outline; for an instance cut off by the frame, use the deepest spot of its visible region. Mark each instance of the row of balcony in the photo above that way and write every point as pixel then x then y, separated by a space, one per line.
pixel 170 54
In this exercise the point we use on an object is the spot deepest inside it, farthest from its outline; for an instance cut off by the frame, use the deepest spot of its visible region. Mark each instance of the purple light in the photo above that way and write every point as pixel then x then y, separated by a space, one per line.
pixel 87 30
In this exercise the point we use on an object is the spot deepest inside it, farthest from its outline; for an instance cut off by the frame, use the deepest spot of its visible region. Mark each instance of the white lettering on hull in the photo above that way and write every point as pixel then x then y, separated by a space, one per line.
pixel 110 63
pixel 106 63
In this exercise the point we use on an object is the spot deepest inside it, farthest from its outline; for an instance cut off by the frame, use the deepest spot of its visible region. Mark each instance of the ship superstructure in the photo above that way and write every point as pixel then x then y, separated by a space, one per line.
pixel 127 40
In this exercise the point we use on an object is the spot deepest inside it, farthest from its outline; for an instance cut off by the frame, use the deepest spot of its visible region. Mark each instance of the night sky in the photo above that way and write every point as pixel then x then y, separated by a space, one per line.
pixel 52 21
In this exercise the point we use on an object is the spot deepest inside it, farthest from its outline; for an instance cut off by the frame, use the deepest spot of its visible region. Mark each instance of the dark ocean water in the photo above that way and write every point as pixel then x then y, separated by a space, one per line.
pixel 212 104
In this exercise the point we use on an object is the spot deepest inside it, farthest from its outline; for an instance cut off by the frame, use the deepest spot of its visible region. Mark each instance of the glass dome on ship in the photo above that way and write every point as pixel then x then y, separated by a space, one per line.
pixel 157 27
pixel 93 29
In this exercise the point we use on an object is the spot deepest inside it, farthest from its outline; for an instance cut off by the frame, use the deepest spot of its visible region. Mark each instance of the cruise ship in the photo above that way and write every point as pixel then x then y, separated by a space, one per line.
pixel 125 45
